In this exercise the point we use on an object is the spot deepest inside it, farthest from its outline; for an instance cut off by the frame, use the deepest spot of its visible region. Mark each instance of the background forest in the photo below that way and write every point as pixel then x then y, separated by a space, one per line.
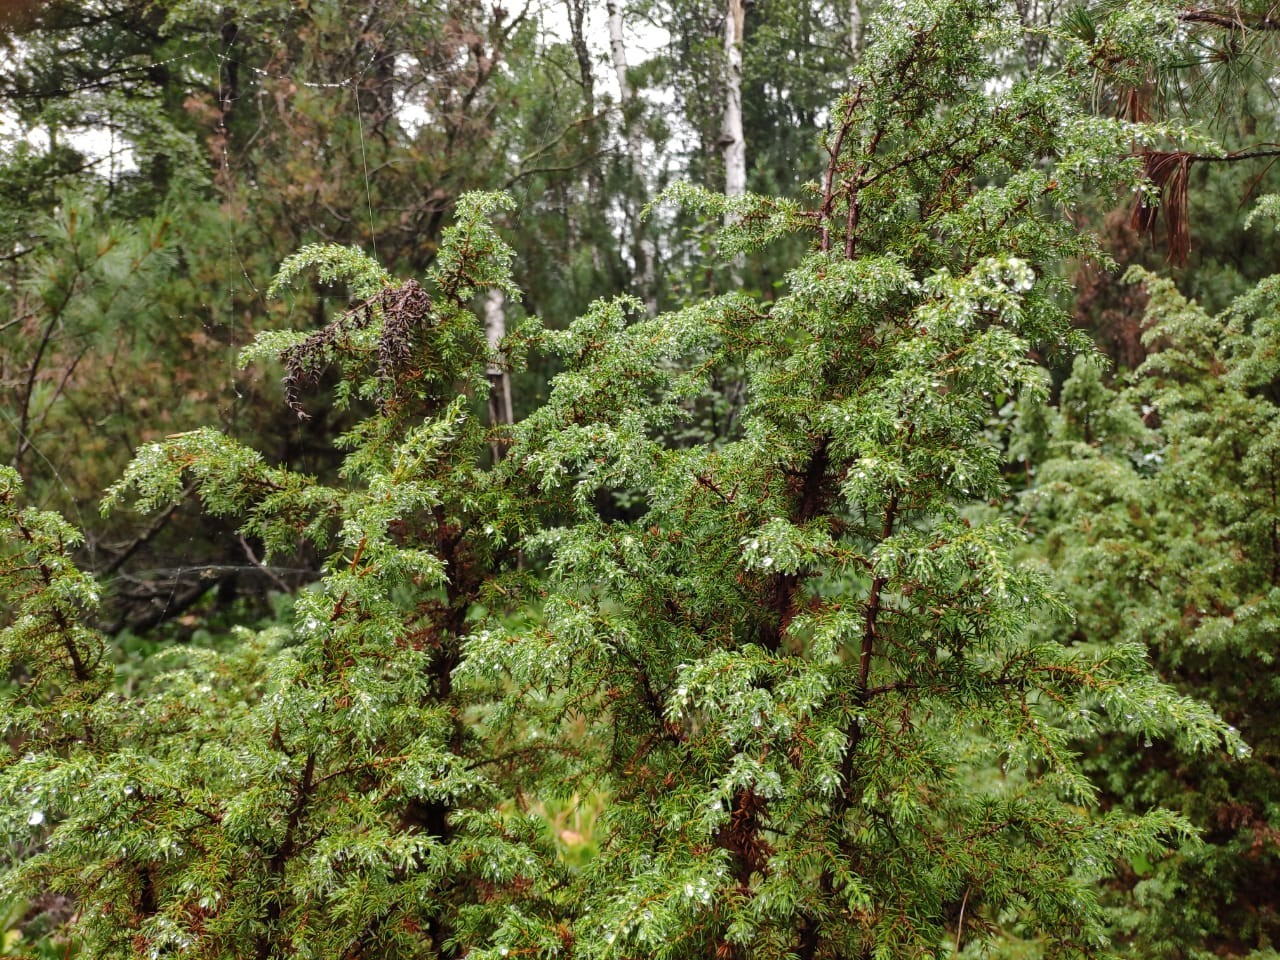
pixel 732 479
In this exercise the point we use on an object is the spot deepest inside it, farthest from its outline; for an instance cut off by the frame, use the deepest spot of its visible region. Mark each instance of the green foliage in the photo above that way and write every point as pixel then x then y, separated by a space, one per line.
pixel 365 277
pixel 1157 499
pixel 813 704
pixel 313 789
pixel 91 281
pixel 807 656
pixel 60 660
pixel 237 138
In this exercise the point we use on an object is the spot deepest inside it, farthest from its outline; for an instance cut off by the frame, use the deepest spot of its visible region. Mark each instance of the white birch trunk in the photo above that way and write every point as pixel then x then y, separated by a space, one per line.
pixel 732 142
pixel 495 328
pixel 645 250
pixel 855 29
pixel 618 50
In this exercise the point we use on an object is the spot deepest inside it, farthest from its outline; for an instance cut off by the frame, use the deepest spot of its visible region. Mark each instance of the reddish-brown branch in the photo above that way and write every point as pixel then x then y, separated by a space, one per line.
pixel 1229 21
pixel 786 586
pixel 833 166
pixel 855 189
pixel 1167 172
pixel 1250 153
pixel 287 848
pixel 870 633
pixel 78 668
pixel 874 603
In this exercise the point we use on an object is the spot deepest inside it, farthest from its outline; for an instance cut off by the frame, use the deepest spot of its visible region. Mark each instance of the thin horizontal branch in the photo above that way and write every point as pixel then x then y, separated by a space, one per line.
pixel 1232 20
pixel 9 258
pixel 174 606
pixel 144 537
pixel 1235 155
pixel 257 562
pixel 21 318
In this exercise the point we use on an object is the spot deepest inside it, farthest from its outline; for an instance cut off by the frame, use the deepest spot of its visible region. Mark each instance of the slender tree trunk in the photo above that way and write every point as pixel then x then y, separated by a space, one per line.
pixel 1033 22
pixel 618 50
pixel 495 328
pixel 576 10
pixel 645 249
pixel 732 142
pixel 855 29
pixel 228 72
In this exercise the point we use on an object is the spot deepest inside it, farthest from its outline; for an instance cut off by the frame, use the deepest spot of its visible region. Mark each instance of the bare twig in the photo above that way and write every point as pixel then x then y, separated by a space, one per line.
pixel 143 538
pixel 253 558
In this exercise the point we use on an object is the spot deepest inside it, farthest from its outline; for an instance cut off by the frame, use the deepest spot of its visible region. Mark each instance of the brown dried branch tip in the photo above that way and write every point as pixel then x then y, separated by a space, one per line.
pixel 1167 171
pixel 403 308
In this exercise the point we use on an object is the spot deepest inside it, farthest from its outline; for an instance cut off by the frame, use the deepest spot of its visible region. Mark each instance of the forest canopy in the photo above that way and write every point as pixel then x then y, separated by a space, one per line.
pixel 675 479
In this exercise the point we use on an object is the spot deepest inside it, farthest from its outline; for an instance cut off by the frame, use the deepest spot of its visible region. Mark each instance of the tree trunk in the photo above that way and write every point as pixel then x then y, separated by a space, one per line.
pixel 577 12
pixel 495 328
pixel 644 249
pixel 732 142
pixel 855 29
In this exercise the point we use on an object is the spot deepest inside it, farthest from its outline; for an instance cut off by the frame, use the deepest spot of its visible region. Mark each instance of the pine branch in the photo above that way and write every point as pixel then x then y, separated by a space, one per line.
pixel 1233 20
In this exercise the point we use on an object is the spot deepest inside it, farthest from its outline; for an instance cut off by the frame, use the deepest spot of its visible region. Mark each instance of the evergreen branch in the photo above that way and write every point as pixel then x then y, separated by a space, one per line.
pixel 1248 153
pixel 827 209
pixel 853 732
pixel 1229 21
pixel 12 257
pixel 79 669
pixel 24 441
pixel 276 866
